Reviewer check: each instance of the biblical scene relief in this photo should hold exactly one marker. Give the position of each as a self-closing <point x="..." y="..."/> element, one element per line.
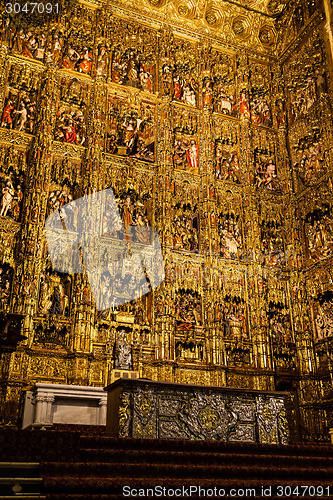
<point x="323" y="314"/>
<point x="180" y="73"/>
<point x="186" y="149"/>
<point x="127" y="219"/>
<point x="260" y="106"/>
<point x="131" y="129"/>
<point x="19" y="112"/>
<point x="6" y="278"/>
<point x="218" y="84"/>
<point x="25" y="36"/>
<point x="318" y="227"/>
<point x="226" y="227"/>
<point x="72" y="40"/>
<point x="185" y="218"/>
<point x="117" y="282"/>
<point x="129" y="69"/>
<point x="279" y="323"/>
<point x="230" y="244"/>
<point x="189" y="343"/>
<point x="134" y="56"/>
<point x="310" y="162"/>
<point x="70" y="125"/>
<point x="227" y="165"/>
<point x="54" y="294"/>
<point x="12" y="187"/>
<point x="265" y="174"/>
<point x="306" y="73"/>
<point x="135" y="210"/>
<point x="12" y="182"/>
<point x="272" y="239"/>
<point x="59" y="196"/>
<point x="188" y="309"/>
<point x="233" y="318"/>
<point x="51" y="334"/>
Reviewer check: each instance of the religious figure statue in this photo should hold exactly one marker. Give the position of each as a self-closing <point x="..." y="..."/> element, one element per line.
<point x="86" y="61"/>
<point x="324" y="320"/>
<point x="56" y="307"/>
<point x="244" y="105"/>
<point x="7" y="198"/>
<point x="45" y="301"/>
<point x="192" y="155"/>
<point x="102" y="61"/>
<point x="207" y="93"/>
<point x="23" y="117"/>
<point x="123" y="353"/>
<point x="7" y="119"/>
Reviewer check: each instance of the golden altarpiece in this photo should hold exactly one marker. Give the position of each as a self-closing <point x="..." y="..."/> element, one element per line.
<point x="211" y="122"/>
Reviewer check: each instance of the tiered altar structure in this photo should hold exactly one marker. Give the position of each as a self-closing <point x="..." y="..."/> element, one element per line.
<point x="211" y="122"/>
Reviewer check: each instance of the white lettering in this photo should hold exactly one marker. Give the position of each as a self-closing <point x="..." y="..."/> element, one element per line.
<point x="126" y="491"/>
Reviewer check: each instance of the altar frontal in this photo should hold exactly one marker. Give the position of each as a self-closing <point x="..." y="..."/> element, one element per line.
<point x="146" y="409"/>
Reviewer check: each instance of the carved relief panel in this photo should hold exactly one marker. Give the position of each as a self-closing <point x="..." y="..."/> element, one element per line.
<point x="227" y="226"/>
<point x="306" y="73"/>
<point x="20" y="107"/>
<point x="271" y="235"/>
<point x="54" y="297"/>
<point x="226" y="151"/>
<point x="134" y="56"/>
<point x="135" y="208"/>
<point x="189" y="341"/>
<point x="309" y="152"/>
<point x="25" y="35"/>
<point x="279" y="323"/>
<point x="64" y="188"/>
<point x="179" y="71"/>
<point x="218" y="81"/>
<point x="317" y="218"/>
<point x="323" y="315"/>
<point x="260" y="98"/>
<point x="186" y="144"/>
<point x="71" y="116"/>
<point x="12" y="182"/>
<point x="234" y="312"/>
<point x="6" y="279"/>
<point x="185" y="217"/>
<point x="131" y="127"/>
<point x="265" y="173"/>
<point x="71" y="40"/>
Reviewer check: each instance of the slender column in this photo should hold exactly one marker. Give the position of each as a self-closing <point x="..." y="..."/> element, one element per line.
<point x="101" y="419"/>
<point x="33" y="218"/>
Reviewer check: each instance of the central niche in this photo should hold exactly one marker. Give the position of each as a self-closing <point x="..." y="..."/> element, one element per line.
<point x="189" y="343"/>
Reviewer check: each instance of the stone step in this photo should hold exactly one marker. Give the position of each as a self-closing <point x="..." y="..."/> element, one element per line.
<point x="109" y="442"/>
<point x="119" y="470"/>
<point x="115" y="486"/>
<point x="199" y="458"/>
<point x="19" y="469"/>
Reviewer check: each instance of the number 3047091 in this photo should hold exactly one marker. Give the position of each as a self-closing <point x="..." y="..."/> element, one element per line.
<point x="32" y="8"/>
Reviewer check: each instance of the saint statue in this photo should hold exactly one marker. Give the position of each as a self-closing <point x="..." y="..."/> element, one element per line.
<point x="123" y="353"/>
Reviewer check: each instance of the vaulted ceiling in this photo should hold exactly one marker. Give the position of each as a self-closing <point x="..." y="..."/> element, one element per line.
<point x="184" y="7"/>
